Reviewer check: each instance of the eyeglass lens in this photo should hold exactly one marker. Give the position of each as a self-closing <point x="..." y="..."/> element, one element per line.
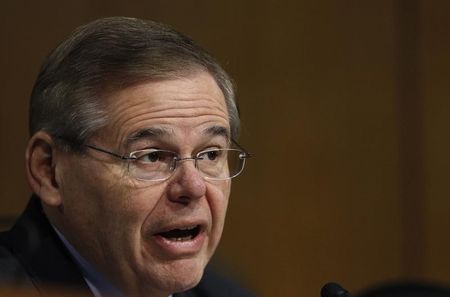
<point x="216" y="164"/>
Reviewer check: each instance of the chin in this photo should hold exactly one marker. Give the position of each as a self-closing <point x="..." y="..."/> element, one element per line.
<point x="185" y="284"/>
<point x="177" y="277"/>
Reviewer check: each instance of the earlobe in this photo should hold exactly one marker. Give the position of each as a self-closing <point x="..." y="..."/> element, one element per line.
<point x="40" y="168"/>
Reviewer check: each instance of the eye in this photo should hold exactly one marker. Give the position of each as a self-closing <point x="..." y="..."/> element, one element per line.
<point x="153" y="156"/>
<point x="210" y="155"/>
<point x="150" y="157"/>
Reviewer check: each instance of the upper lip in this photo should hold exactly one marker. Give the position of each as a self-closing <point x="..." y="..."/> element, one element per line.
<point x="182" y="225"/>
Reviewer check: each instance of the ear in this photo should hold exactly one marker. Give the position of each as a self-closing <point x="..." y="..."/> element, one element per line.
<point x="41" y="168"/>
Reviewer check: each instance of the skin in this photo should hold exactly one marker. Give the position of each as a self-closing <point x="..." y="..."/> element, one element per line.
<point x="111" y="217"/>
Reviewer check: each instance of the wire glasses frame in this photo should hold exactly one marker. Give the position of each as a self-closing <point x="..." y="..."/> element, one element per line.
<point x="159" y="165"/>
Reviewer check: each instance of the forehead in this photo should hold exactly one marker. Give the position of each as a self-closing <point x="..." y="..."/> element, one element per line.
<point x="183" y="105"/>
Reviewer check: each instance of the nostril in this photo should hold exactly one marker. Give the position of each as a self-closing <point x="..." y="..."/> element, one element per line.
<point x="182" y="199"/>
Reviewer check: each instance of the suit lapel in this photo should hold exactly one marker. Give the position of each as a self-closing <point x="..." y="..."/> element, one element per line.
<point x="38" y="248"/>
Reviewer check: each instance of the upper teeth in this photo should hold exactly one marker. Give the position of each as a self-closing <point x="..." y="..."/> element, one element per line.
<point x="187" y="228"/>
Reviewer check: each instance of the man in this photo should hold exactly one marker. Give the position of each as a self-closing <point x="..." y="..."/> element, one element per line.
<point x="131" y="152"/>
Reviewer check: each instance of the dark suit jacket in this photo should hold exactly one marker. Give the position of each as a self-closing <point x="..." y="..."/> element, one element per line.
<point x="33" y="256"/>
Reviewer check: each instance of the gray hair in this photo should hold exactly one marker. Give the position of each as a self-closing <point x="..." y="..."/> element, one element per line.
<point x="107" y="55"/>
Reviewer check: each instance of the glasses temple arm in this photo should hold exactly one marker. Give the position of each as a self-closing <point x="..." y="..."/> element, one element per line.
<point x="109" y="153"/>
<point x="247" y="154"/>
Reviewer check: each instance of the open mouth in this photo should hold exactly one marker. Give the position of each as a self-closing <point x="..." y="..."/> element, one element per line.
<point x="183" y="234"/>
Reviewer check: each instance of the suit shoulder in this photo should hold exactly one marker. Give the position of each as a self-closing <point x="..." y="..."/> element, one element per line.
<point x="11" y="272"/>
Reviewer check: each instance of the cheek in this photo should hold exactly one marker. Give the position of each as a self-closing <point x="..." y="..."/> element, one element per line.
<point x="218" y="196"/>
<point x="80" y="188"/>
<point x="117" y="221"/>
<point x="131" y="206"/>
<point x="99" y="197"/>
<point x="139" y="205"/>
<point x="225" y="195"/>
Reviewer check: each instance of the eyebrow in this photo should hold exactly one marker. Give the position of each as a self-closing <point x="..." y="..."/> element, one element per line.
<point x="148" y="133"/>
<point x="156" y="132"/>
<point x="218" y="131"/>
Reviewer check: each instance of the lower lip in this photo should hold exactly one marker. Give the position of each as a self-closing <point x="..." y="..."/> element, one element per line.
<point x="181" y="248"/>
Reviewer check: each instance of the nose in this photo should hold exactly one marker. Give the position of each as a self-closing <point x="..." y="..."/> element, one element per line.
<point x="187" y="183"/>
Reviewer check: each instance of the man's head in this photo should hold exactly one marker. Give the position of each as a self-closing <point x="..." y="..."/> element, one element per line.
<point x="108" y="55"/>
<point x="129" y="121"/>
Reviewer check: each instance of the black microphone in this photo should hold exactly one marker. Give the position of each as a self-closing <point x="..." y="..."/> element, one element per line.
<point x="334" y="290"/>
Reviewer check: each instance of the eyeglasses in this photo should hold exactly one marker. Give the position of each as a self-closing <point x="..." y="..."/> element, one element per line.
<point x="159" y="165"/>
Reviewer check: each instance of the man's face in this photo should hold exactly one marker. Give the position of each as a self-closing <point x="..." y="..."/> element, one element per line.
<point x="118" y="222"/>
